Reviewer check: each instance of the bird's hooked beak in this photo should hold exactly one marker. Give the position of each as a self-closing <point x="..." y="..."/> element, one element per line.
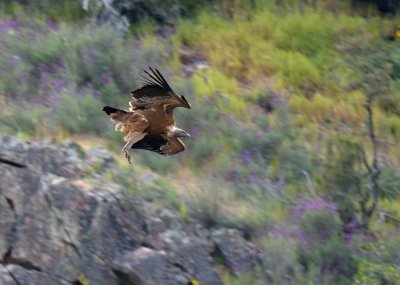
<point x="181" y="134"/>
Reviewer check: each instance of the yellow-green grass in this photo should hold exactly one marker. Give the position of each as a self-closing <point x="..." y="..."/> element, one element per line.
<point x="296" y="53"/>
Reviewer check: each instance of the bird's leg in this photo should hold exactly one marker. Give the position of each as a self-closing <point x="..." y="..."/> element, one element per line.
<point x="131" y="139"/>
<point x="126" y="151"/>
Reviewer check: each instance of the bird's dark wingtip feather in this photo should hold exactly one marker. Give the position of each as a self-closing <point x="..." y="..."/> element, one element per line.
<point x="155" y="78"/>
<point x="163" y="79"/>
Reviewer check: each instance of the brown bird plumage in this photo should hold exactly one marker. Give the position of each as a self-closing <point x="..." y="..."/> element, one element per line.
<point x="150" y="124"/>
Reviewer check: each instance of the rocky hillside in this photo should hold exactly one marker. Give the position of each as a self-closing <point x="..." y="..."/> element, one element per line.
<point x="61" y="224"/>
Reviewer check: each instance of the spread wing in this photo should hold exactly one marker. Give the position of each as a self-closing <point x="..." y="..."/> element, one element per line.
<point x="160" y="144"/>
<point x="156" y="93"/>
<point x="151" y="143"/>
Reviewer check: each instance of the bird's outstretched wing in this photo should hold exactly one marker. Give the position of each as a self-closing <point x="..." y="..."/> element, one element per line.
<point x="152" y="143"/>
<point x="156" y="93"/>
<point x="160" y="144"/>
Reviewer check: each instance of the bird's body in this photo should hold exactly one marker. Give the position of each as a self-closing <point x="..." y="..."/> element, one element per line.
<point x="159" y="122"/>
<point x="149" y="123"/>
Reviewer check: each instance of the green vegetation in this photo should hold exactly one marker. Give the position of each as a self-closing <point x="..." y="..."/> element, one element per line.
<point x="281" y="142"/>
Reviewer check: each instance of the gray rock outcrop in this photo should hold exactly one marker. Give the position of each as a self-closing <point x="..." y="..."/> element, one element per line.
<point x="238" y="254"/>
<point x="62" y="224"/>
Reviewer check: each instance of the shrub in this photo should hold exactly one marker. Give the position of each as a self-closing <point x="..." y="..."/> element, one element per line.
<point x="62" y="10"/>
<point x="284" y="250"/>
<point x="311" y="34"/>
<point x="244" y="278"/>
<point x="78" y="114"/>
<point x="320" y="225"/>
<point x="253" y="215"/>
<point x="205" y="204"/>
<point x="22" y="119"/>
<point x="342" y="175"/>
<point x="324" y="248"/>
<point x="376" y="274"/>
<point x="205" y="148"/>
<point x="319" y="109"/>
<point x="333" y="257"/>
<point x="67" y="73"/>
<point x="157" y="163"/>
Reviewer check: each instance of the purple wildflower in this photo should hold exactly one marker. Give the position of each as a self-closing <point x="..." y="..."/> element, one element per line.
<point x="52" y="25"/>
<point x="23" y="77"/>
<point x="246" y="157"/>
<point x="54" y="99"/>
<point x="52" y="103"/>
<point x="95" y="93"/>
<point x="276" y="99"/>
<point x="317" y="204"/>
<point x="59" y="85"/>
<point x="295" y="232"/>
<point x="106" y="78"/>
<point x="9" y="25"/>
<point x="350" y="230"/>
<point x="288" y="233"/>
<point x="254" y="149"/>
<point x="252" y="179"/>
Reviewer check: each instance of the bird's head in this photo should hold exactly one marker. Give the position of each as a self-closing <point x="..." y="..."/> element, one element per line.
<point x="179" y="133"/>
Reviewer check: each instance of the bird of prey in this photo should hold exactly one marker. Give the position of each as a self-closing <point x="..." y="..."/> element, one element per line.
<point x="149" y="123"/>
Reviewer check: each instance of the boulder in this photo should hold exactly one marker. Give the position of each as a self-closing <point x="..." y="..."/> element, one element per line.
<point x="58" y="227"/>
<point x="238" y="254"/>
<point x="17" y="186"/>
<point x="155" y="229"/>
<point x="194" y="258"/>
<point x="17" y="275"/>
<point x="5" y="277"/>
<point x="145" y="266"/>
<point x="99" y="160"/>
<point x="43" y="157"/>
<point x="62" y="225"/>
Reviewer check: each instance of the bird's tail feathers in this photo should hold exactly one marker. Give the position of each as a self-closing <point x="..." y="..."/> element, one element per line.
<point x="110" y="110"/>
<point x="115" y="114"/>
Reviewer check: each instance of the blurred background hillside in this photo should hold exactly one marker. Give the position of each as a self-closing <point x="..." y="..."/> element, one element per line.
<point x="295" y="122"/>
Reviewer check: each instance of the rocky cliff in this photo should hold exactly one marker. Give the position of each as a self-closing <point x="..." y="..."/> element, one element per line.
<point x="61" y="224"/>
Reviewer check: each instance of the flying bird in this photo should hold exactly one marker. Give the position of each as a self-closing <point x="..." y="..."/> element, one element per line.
<point x="149" y="123"/>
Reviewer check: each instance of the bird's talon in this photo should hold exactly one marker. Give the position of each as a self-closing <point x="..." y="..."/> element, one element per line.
<point x="128" y="157"/>
<point x="127" y="154"/>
